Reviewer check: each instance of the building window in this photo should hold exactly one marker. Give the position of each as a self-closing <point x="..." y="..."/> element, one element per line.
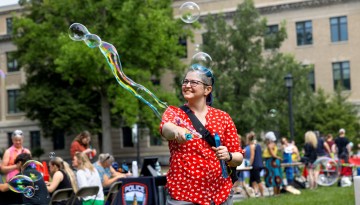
<point x="127" y="137"/>
<point x="339" y="31"/>
<point x="13" y="96"/>
<point x="341" y="75"/>
<point x="35" y="139"/>
<point x="304" y="33"/>
<point x="9" y="25"/>
<point x="9" y="137"/>
<point x="270" y="37"/>
<point x="155" y="141"/>
<point x="59" y="140"/>
<point x="12" y="63"/>
<point x="311" y="78"/>
<point x="183" y="43"/>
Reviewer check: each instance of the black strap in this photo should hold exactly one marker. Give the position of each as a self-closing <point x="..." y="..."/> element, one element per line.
<point x="206" y="135"/>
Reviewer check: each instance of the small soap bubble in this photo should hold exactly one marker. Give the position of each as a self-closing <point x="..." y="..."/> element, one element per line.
<point x="189" y="12"/>
<point x="197" y="47"/>
<point x="92" y="40"/>
<point x="52" y="155"/>
<point x="272" y="113"/>
<point x="29" y="192"/>
<point x="78" y="32"/>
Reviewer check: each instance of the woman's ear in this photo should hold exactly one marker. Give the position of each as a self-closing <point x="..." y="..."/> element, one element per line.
<point x="208" y="90"/>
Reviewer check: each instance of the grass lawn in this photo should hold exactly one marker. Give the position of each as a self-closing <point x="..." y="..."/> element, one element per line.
<point x="333" y="195"/>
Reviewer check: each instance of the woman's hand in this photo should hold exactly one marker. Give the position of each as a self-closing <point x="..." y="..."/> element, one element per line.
<point x="180" y="134"/>
<point x="87" y="151"/>
<point x="221" y="153"/>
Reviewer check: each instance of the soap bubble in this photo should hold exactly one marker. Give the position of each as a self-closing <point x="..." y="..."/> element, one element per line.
<point x="30" y="168"/>
<point x="92" y="40"/>
<point x="78" y="32"/>
<point x="52" y="155"/>
<point x="328" y="171"/>
<point x="272" y="113"/>
<point x="189" y="12"/>
<point x="29" y="192"/>
<point x="19" y="183"/>
<point x="202" y="59"/>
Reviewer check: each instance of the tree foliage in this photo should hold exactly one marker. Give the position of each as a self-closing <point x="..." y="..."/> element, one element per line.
<point x="68" y="83"/>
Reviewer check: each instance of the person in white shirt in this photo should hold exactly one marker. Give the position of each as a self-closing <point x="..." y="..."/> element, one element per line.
<point x="87" y="175"/>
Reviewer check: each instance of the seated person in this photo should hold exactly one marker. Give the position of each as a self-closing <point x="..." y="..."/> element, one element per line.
<point x="4" y="187"/>
<point x="107" y="173"/>
<point x="41" y="195"/>
<point x="62" y="177"/>
<point x="87" y="175"/>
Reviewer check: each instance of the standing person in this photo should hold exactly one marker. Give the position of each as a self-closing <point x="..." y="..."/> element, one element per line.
<point x="290" y="154"/>
<point x="330" y="148"/>
<point x="321" y="145"/>
<point x="256" y="162"/>
<point x="62" y="176"/>
<point x="310" y="155"/>
<point x="273" y="176"/>
<point x="81" y="143"/>
<point x="41" y="195"/>
<point x="87" y="175"/>
<point x="9" y="166"/>
<point x="341" y="143"/>
<point x="194" y="174"/>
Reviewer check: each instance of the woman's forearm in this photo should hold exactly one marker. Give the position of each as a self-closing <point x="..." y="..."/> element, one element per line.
<point x="237" y="159"/>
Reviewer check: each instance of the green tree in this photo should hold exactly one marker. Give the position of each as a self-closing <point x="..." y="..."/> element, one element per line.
<point x="334" y="112"/>
<point x="70" y="86"/>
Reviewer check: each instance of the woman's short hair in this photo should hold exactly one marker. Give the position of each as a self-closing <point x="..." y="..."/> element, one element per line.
<point x="17" y="134"/>
<point x="103" y="157"/>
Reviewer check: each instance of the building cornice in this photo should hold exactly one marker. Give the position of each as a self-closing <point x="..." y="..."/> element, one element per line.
<point x="300" y="5"/>
<point x="10" y="10"/>
<point x="280" y="7"/>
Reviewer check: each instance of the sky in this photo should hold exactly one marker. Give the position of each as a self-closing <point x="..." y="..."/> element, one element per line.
<point x="8" y="2"/>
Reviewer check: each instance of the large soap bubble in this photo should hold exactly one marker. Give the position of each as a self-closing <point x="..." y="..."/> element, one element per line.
<point x="32" y="172"/>
<point x="328" y="171"/>
<point x="189" y="12"/>
<point x="78" y="32"/>
<point x="201" y="59"/>
<point x="19" y="183"/>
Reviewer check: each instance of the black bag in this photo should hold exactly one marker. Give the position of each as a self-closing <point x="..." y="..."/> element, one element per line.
<point x="208" y="138"/>
<point x="299" y="183"/>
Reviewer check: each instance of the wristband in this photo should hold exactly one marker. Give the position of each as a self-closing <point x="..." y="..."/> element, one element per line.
<point x="230" y="155"/>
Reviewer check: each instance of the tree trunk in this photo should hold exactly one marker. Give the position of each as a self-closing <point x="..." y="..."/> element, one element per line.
<point x="106" y="125"/>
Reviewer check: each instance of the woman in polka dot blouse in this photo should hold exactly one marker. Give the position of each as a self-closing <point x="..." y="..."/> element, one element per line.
<point x="195" y="175"/>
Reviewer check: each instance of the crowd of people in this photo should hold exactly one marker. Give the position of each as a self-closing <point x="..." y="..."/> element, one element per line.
<point x="266" y="156"/>
<point x="82" y="173"/>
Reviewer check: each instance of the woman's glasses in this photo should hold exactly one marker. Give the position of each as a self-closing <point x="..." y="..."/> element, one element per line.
<point x="193" y="83"/>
